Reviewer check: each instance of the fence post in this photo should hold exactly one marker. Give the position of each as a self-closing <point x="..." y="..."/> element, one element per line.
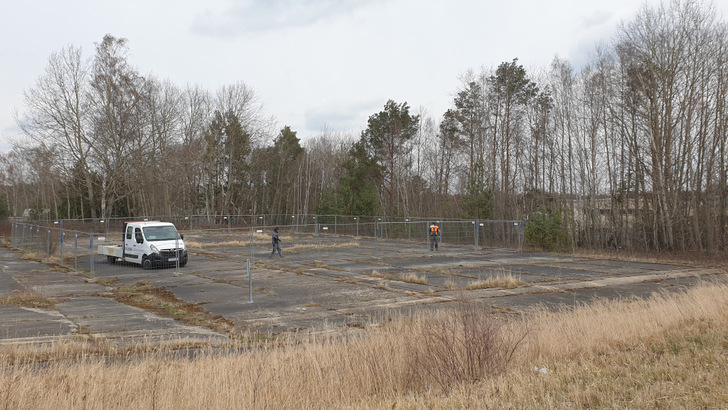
<point x="376" y="236"/>
<point x="75" y="254"/>
<point x="91" y="255"/>
<point x="48" y="243"/>
<point x="250" y="283"/>
<point x="427" y="234"/>
<point x="520" y="236"/>
<point x="177" y="255"/>
<point x="63" y="237"/>
<point x="475" y="233"/>
<point x="318" y="239"/>
<point x="252" y="229"/>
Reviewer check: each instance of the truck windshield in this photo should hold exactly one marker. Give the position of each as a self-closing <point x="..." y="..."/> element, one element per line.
<point x="160" y="233"/>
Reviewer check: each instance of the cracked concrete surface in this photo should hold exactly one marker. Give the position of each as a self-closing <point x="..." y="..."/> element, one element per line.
<point x="319" y="291"/>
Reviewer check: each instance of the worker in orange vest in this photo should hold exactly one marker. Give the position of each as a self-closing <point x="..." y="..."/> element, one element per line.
<point x="434" y="236"/>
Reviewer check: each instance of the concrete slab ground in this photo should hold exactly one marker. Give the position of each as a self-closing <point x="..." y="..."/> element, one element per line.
<point x="317" y="290"/>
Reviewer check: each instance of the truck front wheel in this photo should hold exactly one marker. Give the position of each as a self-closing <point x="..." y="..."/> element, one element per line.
<point x="146" y="262"/>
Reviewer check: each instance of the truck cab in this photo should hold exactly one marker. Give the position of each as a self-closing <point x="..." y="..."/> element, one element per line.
<point x="148" y="243"/>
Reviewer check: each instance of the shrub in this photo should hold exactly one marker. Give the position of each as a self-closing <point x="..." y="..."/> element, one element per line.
<point x="465" y="345"/>
<point x="546" y="230"/>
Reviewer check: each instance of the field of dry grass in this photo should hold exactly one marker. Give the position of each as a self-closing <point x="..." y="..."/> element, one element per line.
<point x="670" y="351"/>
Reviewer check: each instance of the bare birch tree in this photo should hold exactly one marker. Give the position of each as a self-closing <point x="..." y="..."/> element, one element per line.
<point x="57" y="114"/>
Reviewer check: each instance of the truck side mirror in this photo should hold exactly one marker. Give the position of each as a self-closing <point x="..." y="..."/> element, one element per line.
<point x="182" y="236"/>
<point x="139" y="239"/>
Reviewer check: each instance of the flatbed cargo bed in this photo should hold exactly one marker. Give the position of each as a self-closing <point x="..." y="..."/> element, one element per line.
<point x="111" y="250"/>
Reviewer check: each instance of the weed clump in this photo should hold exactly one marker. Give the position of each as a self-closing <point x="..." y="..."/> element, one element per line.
<point x="464" y="345"/>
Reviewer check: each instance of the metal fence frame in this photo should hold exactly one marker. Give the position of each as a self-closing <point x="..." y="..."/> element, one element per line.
<point x="58" y="242"/>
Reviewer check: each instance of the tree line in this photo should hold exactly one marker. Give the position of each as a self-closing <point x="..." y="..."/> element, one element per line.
<point x="627" y="152"/>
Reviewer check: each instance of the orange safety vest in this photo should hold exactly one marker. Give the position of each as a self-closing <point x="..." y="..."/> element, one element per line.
<point x="434" y="230"/>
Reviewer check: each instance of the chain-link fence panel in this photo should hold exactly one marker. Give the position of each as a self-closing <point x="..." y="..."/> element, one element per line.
<point x="236" y="239"/>
<point x="478" y="234"/>
<point x="71" y="249"/>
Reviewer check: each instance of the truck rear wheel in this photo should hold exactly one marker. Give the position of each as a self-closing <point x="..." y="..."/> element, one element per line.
<point x="146" y="262"/>
<point x="110" y="259"/>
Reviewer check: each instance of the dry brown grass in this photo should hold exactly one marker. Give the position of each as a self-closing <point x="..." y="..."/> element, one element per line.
<point x="192" y="244"/>
<point x="147" y="296"/>
<point x="451" y="285"/>
<point x="666" y="352"/>
<point x="688" y="258"/>
<point x="261" y="239"/>
<point x="28" y="299"/>
<point x="414" y="278"/>
<point x="234" y="241"/>
<point x="410" y="277"/>
<point x="501" y="280"/>
<point x="350" y="244"/>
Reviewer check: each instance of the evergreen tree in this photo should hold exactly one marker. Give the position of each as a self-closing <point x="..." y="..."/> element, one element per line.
<point x="283" y="169"/>
<point x="357" y="193"/>
<point x="386" y="139"/>
<point x="4" y="208"/>
<point x="477" y="202"/>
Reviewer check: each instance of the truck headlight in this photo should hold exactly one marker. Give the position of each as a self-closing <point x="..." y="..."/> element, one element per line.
<point x="154" y="249"/>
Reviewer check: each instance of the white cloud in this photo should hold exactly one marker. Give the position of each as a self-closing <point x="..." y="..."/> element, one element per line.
<point x="247" y="17"/>
<point x="312" y="63"/>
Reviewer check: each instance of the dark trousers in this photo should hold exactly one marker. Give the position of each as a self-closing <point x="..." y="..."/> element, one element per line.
<point x="434" y="239"/>
<point x="276" y="247"/>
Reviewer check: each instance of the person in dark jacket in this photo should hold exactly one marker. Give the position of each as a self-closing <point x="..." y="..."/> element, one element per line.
<point x="276" y="240"/>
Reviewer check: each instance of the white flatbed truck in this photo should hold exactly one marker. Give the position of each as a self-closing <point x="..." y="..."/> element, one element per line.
<point x="148" y="243"/>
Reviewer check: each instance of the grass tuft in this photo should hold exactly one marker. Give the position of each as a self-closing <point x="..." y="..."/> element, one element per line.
<point x="503" y="281"/>
<point x="29" y="299"/>
<point x="410" y="277"/>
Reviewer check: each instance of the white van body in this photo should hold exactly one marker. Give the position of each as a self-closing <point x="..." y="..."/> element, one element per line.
<point x="148" y="243"/>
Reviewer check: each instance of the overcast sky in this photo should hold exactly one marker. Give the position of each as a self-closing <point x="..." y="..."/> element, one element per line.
<point x="312" y="63"/>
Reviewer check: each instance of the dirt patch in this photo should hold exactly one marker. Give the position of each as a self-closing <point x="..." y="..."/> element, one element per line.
<point x="146" y="296"/>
